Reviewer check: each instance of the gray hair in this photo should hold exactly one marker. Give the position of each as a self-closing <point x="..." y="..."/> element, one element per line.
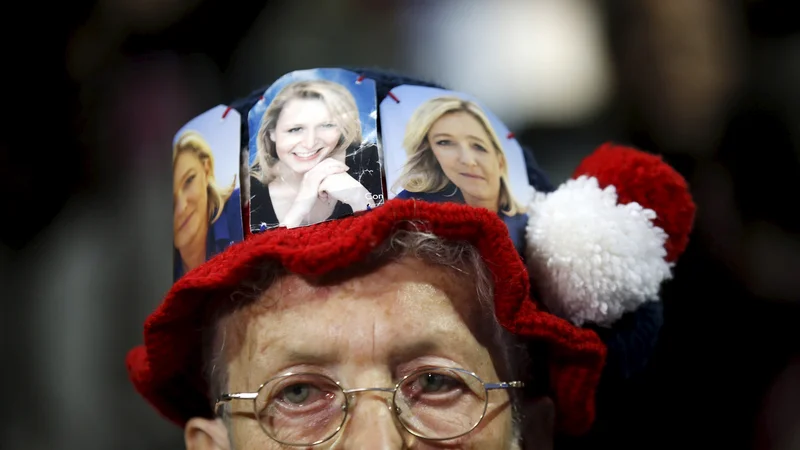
<point x="462" y="257"/>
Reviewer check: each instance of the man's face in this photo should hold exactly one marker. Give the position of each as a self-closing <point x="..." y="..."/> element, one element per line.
<point x="365" y="332"/>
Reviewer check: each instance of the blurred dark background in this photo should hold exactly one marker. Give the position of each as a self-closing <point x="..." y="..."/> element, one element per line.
<point x="95" y="91"/>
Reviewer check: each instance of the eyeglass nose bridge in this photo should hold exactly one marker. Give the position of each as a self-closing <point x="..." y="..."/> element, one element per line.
<point x="350" y="394"/>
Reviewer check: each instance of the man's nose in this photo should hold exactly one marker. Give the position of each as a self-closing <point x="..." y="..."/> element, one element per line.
<point x="372" y="425"/>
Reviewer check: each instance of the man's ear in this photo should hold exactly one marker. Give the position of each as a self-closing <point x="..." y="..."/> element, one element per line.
<point x="538" y="423"/>
<point x="206" y="434"/>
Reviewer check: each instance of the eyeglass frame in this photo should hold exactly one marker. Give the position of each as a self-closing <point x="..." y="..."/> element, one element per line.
<point x="229" y="397"/>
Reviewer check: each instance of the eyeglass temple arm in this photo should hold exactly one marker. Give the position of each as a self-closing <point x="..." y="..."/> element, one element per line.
<point x="225" y="398"/>
<point x="504" y="385"/>
<point x="238" y="396"/>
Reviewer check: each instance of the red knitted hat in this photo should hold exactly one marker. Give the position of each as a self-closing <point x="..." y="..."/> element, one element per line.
<point x="167" y="369"/>
<point x="596" y="248"/>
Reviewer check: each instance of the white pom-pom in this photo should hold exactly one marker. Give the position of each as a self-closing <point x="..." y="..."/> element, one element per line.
<point x="591" y="258"/>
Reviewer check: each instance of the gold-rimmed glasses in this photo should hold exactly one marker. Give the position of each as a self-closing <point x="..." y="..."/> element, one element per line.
<point x="307" y="409"/>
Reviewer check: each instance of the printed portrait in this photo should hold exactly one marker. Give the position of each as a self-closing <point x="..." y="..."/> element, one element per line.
<point x="207" y="212"/>
<point x="314" y="153"/>
<point x="444" y="146"/>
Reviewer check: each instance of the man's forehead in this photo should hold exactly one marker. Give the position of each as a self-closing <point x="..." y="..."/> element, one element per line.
<point x="424" y="301"/>
<point x="404" y="285"/>
<point x="406" y="275"/>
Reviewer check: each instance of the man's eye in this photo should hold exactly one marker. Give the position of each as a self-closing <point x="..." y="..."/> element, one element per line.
<point x="296" y="393"/>
<point x="435" y="382"/>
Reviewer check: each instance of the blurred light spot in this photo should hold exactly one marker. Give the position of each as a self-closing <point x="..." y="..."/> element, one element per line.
<point x="681" y="62"/>
<point x="529" y="61"/>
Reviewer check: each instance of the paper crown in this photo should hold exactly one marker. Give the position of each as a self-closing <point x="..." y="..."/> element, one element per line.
<point x="597" y="247"/>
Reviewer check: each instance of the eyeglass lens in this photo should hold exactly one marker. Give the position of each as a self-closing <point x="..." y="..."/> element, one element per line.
<point x="307" y="409"/>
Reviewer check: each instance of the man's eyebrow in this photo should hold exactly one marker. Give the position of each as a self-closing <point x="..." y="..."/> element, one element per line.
<point x="415" y="350"/>
<point x="295" y="356"/>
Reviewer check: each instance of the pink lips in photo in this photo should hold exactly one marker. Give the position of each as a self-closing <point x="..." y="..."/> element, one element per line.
<point x="469" y="175"/>
<point x="186" y="221"/>
<point x="306" y="156"/>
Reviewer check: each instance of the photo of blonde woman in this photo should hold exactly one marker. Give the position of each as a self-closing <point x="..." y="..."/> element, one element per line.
<point x="206" y="210"/>
<point x="453" y="154"/>
<point x="312" y="162"/>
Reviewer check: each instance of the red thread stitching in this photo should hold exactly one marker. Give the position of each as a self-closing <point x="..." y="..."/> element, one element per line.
<point x="394" y="97"/>
<point x="359" y="79"/>
<point x="510" y="135"/>
<point x="227" y="110"/>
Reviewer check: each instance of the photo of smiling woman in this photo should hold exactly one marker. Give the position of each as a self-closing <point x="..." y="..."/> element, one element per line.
<point x="454" y="155"/>
<point x="311" y="164"/>
<point x="206" y="216"/>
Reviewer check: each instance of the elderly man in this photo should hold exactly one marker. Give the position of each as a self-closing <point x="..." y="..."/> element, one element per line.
<point x="399" y="328"/>
<point x="415" y="325"/>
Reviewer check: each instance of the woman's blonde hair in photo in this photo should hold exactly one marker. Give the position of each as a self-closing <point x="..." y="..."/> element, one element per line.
<point x="339" y="101"/>
<point x="195" y="143"/>
<point x="422" y="172"/>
